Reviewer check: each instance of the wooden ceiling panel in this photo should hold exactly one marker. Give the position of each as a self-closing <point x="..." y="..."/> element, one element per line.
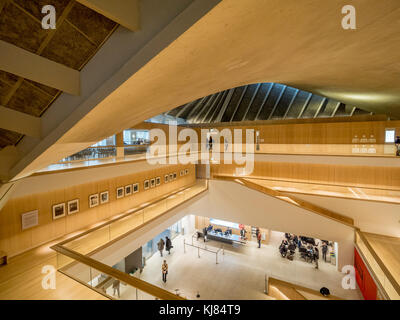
<point x="34" y="7"/>
<point x="29" y="99"/>
<point x="8" y="138"/>
<point x="20" y="29"/>
<point x="95" y="26"/>
<point x="69" y="47"/>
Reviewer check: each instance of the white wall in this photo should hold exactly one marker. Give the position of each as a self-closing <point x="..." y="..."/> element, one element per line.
<point x="233" y="202"/>
<point x="369" y="216"/>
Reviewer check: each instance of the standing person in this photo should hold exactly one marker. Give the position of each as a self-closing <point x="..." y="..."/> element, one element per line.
<point x="324" y="251"/>
<point x="316" y="256"/>
<point x="168" y="245"/>
<point x="257" y="232"/>
<point x="243" y="233"/>
<point x="205" y="234"/>
<point x="160" y="246"/>
<point x="259" y="239"/>
<point x="115" y="286"/>
<point x="210" y="143"/>
<point x="164" y="270"/>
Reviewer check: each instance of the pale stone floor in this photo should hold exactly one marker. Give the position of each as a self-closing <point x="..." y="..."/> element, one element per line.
<point x="239" y="275"/>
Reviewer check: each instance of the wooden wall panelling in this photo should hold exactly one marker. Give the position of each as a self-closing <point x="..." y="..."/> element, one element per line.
<point x="358" y="176"/>
<point x="318" y="133"/>
<point x="13" y="240"/>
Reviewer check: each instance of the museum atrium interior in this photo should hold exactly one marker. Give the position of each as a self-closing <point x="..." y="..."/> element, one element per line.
<point x="251" y="145"/>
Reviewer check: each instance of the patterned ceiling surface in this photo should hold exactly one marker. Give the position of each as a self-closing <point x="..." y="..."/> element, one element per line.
<point x="79" y="34"/>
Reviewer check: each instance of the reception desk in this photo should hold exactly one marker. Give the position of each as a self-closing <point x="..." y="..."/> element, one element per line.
<point x="230" y="239"/>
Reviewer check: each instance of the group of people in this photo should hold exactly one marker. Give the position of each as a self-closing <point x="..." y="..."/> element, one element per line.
<point x="167" y="244"/>
<point x="307" y="247"/>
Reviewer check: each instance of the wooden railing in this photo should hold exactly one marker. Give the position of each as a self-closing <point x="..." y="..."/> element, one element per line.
<point x="75" y="258"/>
<point x="282" y="290"/>
<point x="374" y="263"/>
<point x="117" y="274"/>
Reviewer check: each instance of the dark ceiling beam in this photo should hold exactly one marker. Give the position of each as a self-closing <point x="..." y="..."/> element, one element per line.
<point x="219" y="105"/>
<point x="265" y="100"/>
<point x="187" y="105"/>
<point x="196" y="107"/>
<point x="124" y="12"/>
<point x="319" y="107"/>
<point x="305" y="105"/>
<point x="252" y="100"/>
<point x="206" y="105"/>
<point x="291" y="103"/>
<point x="277" y="102"/>
<point x="239" y="102"/>
<point x="225" y="105"/>
<point x="335" y="110"/>
<point x="212" y="106"/>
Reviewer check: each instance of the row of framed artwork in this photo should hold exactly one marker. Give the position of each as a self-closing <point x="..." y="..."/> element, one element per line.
<point x="71" y="207"/>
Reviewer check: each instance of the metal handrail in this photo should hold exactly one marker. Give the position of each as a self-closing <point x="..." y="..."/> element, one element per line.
<point x="205" y="249"/>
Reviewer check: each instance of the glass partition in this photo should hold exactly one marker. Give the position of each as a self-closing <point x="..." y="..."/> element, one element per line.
<point x="105" y="284"/>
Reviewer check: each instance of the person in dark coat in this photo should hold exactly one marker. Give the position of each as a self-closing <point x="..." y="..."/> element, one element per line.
<point x="205" y="234"/>
<point x="210" y="143"/>
<point x="324" y="251"/>
<point x="168" y="245"/>
<point x="160" y="246"/>
<point x="316" y="256"/>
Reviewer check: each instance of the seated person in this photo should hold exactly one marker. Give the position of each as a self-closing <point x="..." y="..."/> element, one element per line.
<point x="292" y="247"/>
<point x="210" y="227"/>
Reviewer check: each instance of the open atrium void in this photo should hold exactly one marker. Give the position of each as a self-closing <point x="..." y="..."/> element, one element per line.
<point x="200" y="150"/>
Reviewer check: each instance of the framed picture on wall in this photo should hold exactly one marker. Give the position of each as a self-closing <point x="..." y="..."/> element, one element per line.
<point x="136" y="187"/>
<point x="128" y="190"/>
<point x="120" y="192"/>
<point x="171" y="177"/>
<point x="175" y="175"/>
<point x="152" y="183"/>
<point x="104" y="197"/>
<point x="58" y="211"/>
<point x="93" y="200"/>
<point x="166" y="178"/>
<point x="146" y="184"/>
<point x="73" y="206"/>
<point x="186" y="171"/>
<point x="158" y="181"/>
<point x="182" y="173"/>
<point x="29" y="219"/>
